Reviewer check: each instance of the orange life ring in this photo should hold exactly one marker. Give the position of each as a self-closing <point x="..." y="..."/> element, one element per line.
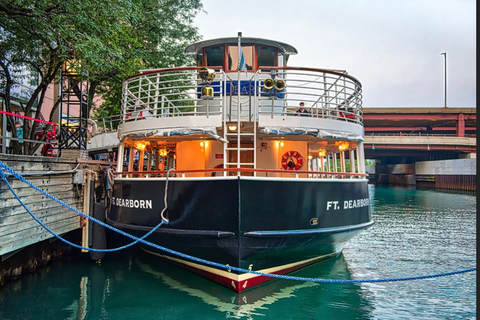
<point x="292" y="160"/>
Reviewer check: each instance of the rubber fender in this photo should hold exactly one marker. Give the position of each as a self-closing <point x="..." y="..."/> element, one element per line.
<point x="98" y="237"/>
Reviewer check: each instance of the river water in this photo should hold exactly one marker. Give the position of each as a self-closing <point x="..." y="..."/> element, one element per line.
<point x="417" y="232"/>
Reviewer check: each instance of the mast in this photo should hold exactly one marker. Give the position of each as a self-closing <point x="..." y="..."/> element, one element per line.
<point x="241" y="61"/>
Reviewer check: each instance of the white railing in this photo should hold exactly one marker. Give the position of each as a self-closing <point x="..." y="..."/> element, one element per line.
<point x="177" y="92"/>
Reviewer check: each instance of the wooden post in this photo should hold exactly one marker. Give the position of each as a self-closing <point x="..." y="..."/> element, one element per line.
<point x="86" y="209"/>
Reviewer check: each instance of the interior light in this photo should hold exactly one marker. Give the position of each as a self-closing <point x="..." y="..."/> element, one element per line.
<point x="342" y="146"/>
<point x="163" y="152"/>
<point x="282" y="144"/>
<point x="232" y="128"/>
<point x="140" y="146"/>
<point x="202" y="144"/>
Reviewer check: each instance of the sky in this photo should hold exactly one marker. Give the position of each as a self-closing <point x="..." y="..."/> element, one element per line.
<point x="393" y="47"/>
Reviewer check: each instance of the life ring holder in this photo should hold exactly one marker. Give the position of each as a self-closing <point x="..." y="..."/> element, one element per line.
<point x="292" y="160"/>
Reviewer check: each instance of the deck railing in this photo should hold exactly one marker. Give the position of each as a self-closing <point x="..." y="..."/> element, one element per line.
<point x="272" y="173"/>
<point x="177" y="92"/>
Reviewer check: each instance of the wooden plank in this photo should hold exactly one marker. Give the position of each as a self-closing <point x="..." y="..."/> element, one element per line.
<point x="35" y="199"/>
<point x="17" y="243"/>
<point x="38" y="206"/>
<point x="36" y="230"/>
<point x="29" y="226"/>
<point x="19" y="166"/>
<point x="10" y="223"/>
<point x="24" y="192"/>
<point x="38" y="181"/>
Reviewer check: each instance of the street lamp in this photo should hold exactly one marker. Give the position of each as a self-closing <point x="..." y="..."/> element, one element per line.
<point x="445" y="55"/>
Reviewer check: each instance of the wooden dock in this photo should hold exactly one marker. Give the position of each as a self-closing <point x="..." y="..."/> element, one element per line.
<point x="62" y="178"/>
<point x="55" y="176"/>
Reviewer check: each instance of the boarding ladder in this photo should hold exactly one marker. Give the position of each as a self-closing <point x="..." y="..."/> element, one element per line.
<point x="244" y="138"/>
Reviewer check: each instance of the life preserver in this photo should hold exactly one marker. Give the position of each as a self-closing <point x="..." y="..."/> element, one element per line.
<point x="292" y="160"/>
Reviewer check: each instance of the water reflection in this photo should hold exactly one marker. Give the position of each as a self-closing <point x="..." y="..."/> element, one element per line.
<point x="270" y="298"/>
<point x="139" y="287"/>
<point x="417" y="232"/>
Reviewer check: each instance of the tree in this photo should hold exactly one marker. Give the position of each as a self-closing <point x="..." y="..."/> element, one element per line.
<point x="113" y="40"/>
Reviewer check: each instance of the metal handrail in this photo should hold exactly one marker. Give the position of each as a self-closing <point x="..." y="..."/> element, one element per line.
<point x="182" y="173"/>
<point x="176" y="92"/>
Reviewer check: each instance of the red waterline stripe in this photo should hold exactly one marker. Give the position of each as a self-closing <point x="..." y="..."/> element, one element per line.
<point x="29" y="118"/>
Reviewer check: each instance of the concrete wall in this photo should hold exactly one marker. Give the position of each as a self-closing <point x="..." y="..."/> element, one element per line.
<point x="401" y="168"/>
<point x="447" y="167"/>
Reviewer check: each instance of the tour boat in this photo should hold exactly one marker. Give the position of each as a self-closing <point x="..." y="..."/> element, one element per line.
<point x="221" y="154"/>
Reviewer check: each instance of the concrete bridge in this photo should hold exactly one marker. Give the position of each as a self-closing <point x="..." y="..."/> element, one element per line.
<point x="407" y="135"/>
<point x="429" y="147"/>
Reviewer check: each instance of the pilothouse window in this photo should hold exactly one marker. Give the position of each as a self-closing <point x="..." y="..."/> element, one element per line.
<point x="233" y="57"/>
<point x="214" y="56"/>
<point x="266" y="56"/>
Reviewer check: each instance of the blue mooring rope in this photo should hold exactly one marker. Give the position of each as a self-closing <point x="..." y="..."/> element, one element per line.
<point x="142" y="240"/>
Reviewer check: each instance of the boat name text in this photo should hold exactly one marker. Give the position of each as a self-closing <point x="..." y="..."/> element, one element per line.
<point x="348" y="204"/>
<point x="132" y="203"/>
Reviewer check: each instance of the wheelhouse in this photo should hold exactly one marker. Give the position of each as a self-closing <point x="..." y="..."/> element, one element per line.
<point x="225" y="53"/>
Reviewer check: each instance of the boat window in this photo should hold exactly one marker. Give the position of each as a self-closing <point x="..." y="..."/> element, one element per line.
<point x="214" y="56"/>
<point x="266" y="56"/>
<point x="233" y="57"/>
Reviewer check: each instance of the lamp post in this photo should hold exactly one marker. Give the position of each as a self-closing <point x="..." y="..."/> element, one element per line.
<point x="445" y="55"/>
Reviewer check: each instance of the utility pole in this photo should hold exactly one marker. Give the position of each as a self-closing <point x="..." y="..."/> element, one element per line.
<point x="445" y="55"/>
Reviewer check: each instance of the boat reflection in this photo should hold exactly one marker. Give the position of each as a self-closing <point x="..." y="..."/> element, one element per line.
<point x="332" y="299"/>
<point x="139" y="287"/>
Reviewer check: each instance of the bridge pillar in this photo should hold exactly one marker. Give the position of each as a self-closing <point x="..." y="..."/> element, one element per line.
<point x="461" y="125"/>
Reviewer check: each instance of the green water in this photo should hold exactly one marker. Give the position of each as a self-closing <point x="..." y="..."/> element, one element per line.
<point x="417" y="232"/>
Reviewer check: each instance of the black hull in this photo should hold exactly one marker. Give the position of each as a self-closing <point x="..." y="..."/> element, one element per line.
<point x="244" y="222"/>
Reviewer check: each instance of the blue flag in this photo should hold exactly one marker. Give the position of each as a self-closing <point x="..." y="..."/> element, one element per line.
<point x="242" y="66"/>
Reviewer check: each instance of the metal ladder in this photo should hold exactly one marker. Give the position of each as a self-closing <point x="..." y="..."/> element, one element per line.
<point x="240" y="137"/>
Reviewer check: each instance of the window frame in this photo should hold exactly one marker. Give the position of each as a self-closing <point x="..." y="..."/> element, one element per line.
<point x="226" y="47"/>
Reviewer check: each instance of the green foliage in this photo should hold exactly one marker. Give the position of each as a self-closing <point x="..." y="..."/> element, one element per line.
<point x="113" y="39"/>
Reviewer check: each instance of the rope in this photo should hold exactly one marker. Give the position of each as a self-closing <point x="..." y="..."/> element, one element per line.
<point x="4" y="177"/>
<point x="28" y="118"/>
<point x="211" y="263"/>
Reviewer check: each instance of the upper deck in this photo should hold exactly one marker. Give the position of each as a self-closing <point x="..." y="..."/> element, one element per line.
<point x="173" y="98"/>
<point x="248" y="104"/>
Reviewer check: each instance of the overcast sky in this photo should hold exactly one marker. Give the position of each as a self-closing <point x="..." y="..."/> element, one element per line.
<point x="392" y="47"/>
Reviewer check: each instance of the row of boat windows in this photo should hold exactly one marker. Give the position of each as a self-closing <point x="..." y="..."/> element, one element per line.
<point x="227" y="57"/>
<point x="160" y="160"/>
